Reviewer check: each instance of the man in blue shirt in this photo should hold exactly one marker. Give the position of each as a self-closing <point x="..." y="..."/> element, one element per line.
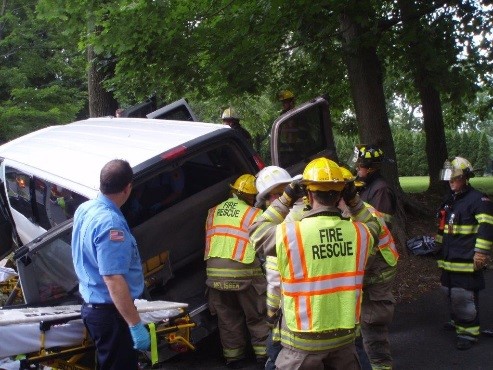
<point x="108" y="266"/>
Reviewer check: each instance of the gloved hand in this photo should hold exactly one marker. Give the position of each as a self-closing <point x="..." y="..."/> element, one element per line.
<point x="480" y="260"/>
<point x="260" y="202"/>
<point x="272" y="318"/>
<point x="350" y="194"/>
<point x="292" y="192"/>
<point x="140" y="336"/>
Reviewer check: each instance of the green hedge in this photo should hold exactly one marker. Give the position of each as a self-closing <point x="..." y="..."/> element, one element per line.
<point x="411" y="155"/>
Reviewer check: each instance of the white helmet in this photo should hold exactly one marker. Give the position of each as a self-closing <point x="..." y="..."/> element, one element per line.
<point x="459" y="166"/>
<point x="270" y="177"/>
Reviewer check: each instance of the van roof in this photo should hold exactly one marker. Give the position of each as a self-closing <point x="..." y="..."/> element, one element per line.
<point x="77" y="151"/>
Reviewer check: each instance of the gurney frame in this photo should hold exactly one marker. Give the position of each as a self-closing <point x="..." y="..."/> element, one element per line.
<point x="175" y="332"/>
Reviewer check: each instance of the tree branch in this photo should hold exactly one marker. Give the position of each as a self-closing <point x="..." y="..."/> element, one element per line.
<point x="385" y="24"/>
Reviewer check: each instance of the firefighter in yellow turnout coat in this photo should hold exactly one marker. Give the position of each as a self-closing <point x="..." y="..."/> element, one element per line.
<point x="377" y="309"/>
<point x="235" y="279"/>
<point x="321" y="261"/>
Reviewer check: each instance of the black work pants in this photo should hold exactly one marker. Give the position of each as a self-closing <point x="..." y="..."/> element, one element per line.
<point x="111" y="335"/>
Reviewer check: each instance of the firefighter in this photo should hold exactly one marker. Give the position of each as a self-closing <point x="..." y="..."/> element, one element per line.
<point x="312" y="256"/>
<point x="466" y="236"/>
<point x="375" y="190"/>
<point x="232" y="119"/>
<point x="236" y="283"/>
<point x="377" y="309"/>
<point x="270" y="183"/>
<point x="286" y="97"/>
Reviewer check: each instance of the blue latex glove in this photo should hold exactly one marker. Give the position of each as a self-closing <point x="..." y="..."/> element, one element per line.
<point x="140" y="336"/>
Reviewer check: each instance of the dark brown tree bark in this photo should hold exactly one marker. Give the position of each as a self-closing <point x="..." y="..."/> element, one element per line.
<point x="436" y="147"/>
<point x="366" y="81"/>
<point x="101" y="102"/>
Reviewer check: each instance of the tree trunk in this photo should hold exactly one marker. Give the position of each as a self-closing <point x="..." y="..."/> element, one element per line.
<point x="101" y="102"/>
<point x="366" y="81"/>
<point x="436" y="147"/>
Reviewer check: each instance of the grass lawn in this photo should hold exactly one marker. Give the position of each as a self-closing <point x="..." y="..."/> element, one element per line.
<point x="418" y="184"/>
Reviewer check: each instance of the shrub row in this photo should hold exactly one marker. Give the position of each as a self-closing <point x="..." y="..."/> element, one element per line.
<point x="411" y="155"/>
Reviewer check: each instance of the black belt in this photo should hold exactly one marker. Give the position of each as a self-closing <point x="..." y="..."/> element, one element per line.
<point x="99" y="306"/>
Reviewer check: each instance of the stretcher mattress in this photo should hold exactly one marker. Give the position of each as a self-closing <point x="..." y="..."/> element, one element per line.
<point x="20" y="333"/>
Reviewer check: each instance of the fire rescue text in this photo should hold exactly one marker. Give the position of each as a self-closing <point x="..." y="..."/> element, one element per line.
<point x="332" y="244"/>
<point x="229" y="210"/>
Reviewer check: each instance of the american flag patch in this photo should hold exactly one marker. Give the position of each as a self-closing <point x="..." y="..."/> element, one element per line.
<point x="117" y="235"/>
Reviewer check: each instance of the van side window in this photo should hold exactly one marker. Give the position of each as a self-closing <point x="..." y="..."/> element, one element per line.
<point x="60" y="205"/>
<point x="40" y="201"/>
<point x="172" y="186"/>
<point x="19" y="192"/>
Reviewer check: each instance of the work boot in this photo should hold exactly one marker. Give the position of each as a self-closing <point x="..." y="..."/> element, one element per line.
<point x="487" y="332"/>
<point x="449" y="325"/>
<point x="237" y="364"/>
<point x="464" y="343"/>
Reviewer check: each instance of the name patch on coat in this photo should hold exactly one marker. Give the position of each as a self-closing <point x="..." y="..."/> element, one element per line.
<point x="226" y="285"/>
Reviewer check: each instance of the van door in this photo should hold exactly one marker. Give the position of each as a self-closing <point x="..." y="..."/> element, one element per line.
<point x="302" y="134"/>
<point x="178" y="110"/>
<point x="8" y="233"/>
<point x="45" y="267"/>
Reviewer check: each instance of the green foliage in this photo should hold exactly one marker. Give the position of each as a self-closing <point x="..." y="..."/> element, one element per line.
<point x="42" y="77"/>
<point x="419" y="184"/>
<point x="411" y="154"/>
<point x="455" y="54"/>
<point x="345" y="146"/>
<point x="257" y="114"/>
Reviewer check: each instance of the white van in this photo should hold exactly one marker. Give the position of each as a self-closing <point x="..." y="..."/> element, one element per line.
<point x="181" y="169"/>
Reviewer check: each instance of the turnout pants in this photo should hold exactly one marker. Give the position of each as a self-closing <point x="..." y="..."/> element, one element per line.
<point x="463" y="305"/>
<point x="237" y="312"/>
<point x="344" y="358"/>
<point x="377" y="311"/>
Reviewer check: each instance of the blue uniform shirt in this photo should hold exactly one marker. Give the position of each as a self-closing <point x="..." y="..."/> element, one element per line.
<point x="103" y="245"/>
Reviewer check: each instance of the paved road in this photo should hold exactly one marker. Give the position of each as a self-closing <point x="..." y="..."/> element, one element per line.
<point x="418" y="340"/>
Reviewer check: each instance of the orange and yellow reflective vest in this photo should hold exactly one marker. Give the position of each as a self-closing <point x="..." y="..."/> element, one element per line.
<point x="227" y="231"/>
<point x="386" y="243"/>
<point x="322" y="263"/>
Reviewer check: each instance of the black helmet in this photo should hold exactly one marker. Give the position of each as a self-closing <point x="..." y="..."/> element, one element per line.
<point x="369" y="156"/>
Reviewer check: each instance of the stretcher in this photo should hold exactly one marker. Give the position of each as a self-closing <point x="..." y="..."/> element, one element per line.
<point x="56" y="336"/>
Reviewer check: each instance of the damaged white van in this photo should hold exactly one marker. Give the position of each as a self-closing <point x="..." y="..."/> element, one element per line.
<point x="181" y="169"/>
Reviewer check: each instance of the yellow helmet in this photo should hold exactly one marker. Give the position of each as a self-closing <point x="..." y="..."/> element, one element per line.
<point x="322" y="174"/>
<point x="285" y="95"/>
<point x="245" y="184"/>
<point x="346" y="174"/>
<point x="458" y="166"/>
<point x="230" y="113"/>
